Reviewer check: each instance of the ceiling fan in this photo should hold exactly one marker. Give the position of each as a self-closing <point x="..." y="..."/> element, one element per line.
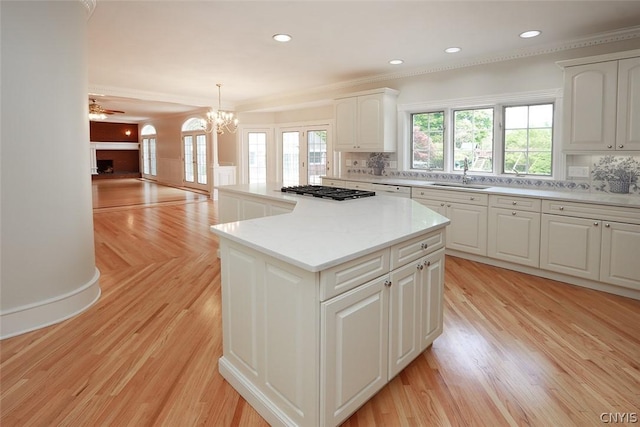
<point x="96" y="112"/>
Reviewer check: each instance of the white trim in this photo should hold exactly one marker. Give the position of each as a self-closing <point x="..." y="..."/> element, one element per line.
<point x="38" y="315"/>
<point x="599" y="58"/>
<point x="484" y="100"/>
<point x="116" y="145"/>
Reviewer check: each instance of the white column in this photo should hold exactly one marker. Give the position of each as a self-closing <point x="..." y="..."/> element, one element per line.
<point x="47" y="270"/>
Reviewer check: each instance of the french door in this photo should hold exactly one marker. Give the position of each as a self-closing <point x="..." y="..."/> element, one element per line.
<point x="195" y="161"/>
<point x="304" y="155"/>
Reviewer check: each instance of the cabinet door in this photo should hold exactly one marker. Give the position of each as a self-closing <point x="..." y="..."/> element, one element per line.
<point x="514" y="236"/>
<point x="370" y="123"/>
<point x="434" y="205"/>
<point x="620" y="244"/>
<point x="628" y="131"/>
<point x="404" y="316"/>
<point x="431" y="298"/>
<point x="354" y="342"/>
<point x="589" y="118"/>
<point x="570" y="245"/>
<point x="468" y="229"/>
<point x="346" y="113"/>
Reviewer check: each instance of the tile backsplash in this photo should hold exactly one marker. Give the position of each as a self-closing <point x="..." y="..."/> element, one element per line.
<point x="579" y="174"/>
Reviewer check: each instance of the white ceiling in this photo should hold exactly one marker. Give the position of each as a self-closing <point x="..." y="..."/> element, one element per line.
<point x="150" y="58"/>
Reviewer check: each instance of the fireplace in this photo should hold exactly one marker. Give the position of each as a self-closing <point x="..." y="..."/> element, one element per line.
<point x="105" y="166"/>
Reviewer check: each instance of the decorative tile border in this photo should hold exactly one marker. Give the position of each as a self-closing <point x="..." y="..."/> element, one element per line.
<point x="503" y="181"/>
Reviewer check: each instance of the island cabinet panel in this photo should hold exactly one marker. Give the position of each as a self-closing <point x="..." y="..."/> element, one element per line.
<point x="431" y="297"/>
<point x="271" y="334"/>
<point x="620" y="263"/>
<point x="355" y="331"/>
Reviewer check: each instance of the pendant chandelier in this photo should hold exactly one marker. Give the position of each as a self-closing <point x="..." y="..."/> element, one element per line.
<point x="220" y="120"/>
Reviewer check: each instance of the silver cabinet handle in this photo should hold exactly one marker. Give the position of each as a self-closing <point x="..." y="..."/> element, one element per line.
<point x="387" y="283"/>
<point x="472" y="198"/>
<point x="561" y="208"/>
<point x="441" y="204"/>
<point x="607" y="225"/>
<point x="424" y="246"/>
<point x="513" y="213"/>
<point x="620" y="146"/>
<point x="426" y="263"/>
<point x="419" y="267"/>
<point x="448" y="206"/>
<point x="609" y="146"/>
<point x="514" y="203"/>
<point x="596" y="223"/>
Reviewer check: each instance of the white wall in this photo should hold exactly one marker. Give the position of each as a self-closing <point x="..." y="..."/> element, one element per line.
<point x="47" y="268"/>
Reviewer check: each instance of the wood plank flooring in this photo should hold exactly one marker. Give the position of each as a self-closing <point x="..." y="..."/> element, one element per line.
<point x="516" y="349"/>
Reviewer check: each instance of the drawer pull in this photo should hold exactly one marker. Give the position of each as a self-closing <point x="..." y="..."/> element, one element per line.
<point x="419" y="266"/>
<point x="514" y="203"/>
<point x="607" y="225"/>
<point x="472" y="198"/>
<point x="596" y="223"/>
<point x="609" y="146"/>
<point x="424" y="245"/>
<point x="561" y="208"/>
<point x="441" y="204"/>
<point x="513" y="213"/>
<point x="620" y="146"/>
<point x="426" y="263"/>
<point x="387" y="283"/>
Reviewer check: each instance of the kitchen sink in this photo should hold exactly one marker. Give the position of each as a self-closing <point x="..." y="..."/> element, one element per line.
<point x="459" y="185"/>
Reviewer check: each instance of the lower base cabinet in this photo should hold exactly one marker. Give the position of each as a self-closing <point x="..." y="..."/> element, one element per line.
<point x="301" y="360"/>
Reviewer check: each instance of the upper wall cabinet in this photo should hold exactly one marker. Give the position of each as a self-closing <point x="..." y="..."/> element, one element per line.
<point x="366" y="121"/>
<point x="602" y="103"/>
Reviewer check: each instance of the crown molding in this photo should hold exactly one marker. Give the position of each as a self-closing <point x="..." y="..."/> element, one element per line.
<point x="148" y="95"/>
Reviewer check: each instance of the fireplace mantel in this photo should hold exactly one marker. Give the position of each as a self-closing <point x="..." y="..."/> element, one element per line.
<point x="95" y="146"/>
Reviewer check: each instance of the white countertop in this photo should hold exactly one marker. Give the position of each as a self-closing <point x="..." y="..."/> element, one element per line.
<point x="575" y="196"/>
<point x="322" y="233"/>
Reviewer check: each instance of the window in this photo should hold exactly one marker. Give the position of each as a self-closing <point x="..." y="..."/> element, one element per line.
<point x="194" y="152"/>
<point x="428" y="140"/>
<point x="473" y="139"/>
<point x="148" y="133"/>
<point x="528" y="139"/>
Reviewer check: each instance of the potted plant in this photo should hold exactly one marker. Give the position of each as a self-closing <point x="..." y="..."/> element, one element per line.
<point x="619" y="172"/>
<point x="377" y="162"/>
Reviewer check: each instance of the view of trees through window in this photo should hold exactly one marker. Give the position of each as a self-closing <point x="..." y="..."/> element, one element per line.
<point x="428" y="141"/>
<point x="528" y="136"/>
<point x="473" y="139"/>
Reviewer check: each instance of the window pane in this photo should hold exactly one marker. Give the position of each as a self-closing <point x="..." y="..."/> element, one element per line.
<point x="145" y="156"/>
<point x="528" y="139"/>
<point x="257" y="157"/>
<point x="317" y="157"/>
<point x="428" y="140"/>
<point x="152" y="155"/>
<point x="188" y="159"/>
<point x="201" y="151"/>
<point x="290" y="158"/>
<point x="193" y="125"/>
<point x="473" y="139"/>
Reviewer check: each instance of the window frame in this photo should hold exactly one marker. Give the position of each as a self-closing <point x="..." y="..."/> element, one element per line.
<point x="553" y="134"/>
<point x="444" y="139"/>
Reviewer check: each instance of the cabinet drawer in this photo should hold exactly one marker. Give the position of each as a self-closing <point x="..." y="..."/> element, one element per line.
<point x="359" y="185"/>
<point x="351" y="274"/>
<point x="468" y="197"/>
<point x="591" y="211"/>
<point x="515" y="203"/>
<point x="413" y="249"/>
<point x="332" y="182"/>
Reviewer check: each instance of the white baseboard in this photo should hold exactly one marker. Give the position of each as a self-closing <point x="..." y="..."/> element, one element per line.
<point x="38" y="315"/>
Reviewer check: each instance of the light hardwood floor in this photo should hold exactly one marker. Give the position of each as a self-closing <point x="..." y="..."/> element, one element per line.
<point x="516" y="349"/>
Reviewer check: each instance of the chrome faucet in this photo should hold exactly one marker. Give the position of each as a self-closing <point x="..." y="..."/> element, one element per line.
<point x="465" y="168"/>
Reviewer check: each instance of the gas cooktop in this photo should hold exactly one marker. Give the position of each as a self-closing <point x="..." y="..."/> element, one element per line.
<point x="333" y="193"/>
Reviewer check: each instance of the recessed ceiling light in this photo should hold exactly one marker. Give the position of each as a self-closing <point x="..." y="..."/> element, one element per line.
<point x="529" y="34"/>
<point x="282" y="37"/>
<point x="396" y="61"/>
<point x="452" y="49"/>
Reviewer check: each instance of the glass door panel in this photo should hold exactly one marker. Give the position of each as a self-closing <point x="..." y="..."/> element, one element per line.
<point x="189" y="176"/>
<point x="257" y="157"/>
<point x="201" y="159"/>
<point x="291" y="158"/>
<point x="317" y="156"/>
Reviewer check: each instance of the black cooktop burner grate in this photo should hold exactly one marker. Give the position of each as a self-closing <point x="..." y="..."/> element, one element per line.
<point x="333" y="193"/>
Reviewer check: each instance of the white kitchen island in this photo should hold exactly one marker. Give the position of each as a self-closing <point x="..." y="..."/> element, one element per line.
<point x="324" y="305"/>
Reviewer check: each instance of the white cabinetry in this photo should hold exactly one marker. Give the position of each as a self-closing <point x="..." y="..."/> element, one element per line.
<point x="593" y="242"/>
<point x="602" y="104"/>
<point x="330" y="182"/>
<point x="310" y="348"/>
<point x="514" y="229"/>
<point x="238" y="207"/>
<point x="467" y="212"/>
<point x="359" y="185"/>
<point x="366" y="121"/>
